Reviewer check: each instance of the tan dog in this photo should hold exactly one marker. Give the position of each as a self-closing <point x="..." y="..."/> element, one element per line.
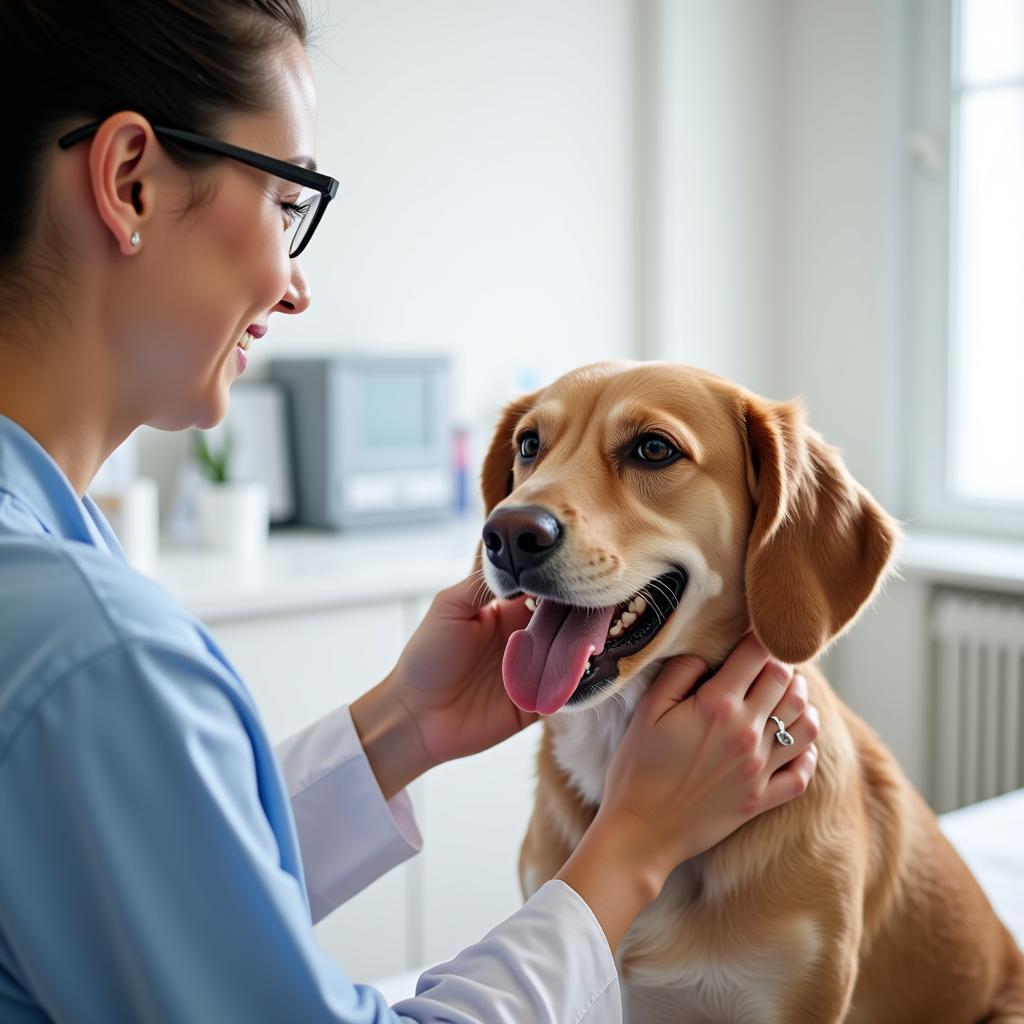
<point x="724" y="511"/>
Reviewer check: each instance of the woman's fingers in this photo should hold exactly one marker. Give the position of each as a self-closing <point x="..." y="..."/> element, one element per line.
<point x="462" y="599"/>
<point x="674" y="681"/>
<point x="730" y="683"/>
<point x="768" y="688"/>
<point x="790" y="706"/>
<point x="470" y="599"/>
<point x="791" y="780"/>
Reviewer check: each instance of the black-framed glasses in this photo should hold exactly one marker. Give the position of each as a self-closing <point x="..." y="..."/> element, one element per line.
<point x="307" y="213"/>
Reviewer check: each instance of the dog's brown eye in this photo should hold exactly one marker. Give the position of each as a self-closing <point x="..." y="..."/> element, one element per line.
<point x="654" y="449"/>
<point x="529" y="445"/>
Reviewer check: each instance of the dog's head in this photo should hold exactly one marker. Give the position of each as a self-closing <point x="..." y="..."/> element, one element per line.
<point x="653" y="509"/>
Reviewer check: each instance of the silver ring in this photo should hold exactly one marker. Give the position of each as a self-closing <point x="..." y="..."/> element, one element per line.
<point x="782" y="736"/>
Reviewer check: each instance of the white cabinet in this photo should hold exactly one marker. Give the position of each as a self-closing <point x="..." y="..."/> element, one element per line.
<point x="317" y="624"/>
<point x="473" y="815"/>
<point x="299" y="665"/>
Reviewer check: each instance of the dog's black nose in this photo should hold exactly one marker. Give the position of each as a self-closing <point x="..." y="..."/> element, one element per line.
<point x="520" y="538"/>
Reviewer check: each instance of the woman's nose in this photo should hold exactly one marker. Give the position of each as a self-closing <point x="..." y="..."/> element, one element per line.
<point x="297" y="298"/>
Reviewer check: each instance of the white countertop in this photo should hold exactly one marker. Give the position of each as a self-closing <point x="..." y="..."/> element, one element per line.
<point x="312" y="568"/>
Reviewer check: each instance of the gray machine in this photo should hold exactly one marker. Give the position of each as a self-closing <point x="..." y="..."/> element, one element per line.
<point x="371" y="438"/>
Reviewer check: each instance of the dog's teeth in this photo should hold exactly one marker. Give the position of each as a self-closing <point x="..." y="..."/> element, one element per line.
<point x="628" y="618"/>
<point x="589" y="667"/>
<point x="616" y="629"/>
<point x="531" y="604"/>
<point x="641" y="606"/>
<point x="632" y="605"/>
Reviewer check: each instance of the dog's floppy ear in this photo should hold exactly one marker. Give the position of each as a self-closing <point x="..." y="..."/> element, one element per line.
<point x="820" y="544"/>
<point x="496" y="474"/>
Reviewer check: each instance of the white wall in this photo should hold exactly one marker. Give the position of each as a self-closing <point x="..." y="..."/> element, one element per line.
<point x="839" y="228"/>
<point x="773" y="154"/>
<point x="486" y="199"/>
<point x="840" y="347"/>
<point x="715" y="228"/>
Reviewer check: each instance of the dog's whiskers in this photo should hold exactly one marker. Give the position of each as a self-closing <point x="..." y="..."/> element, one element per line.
<point x="480" y="593"/>
<point x="646" y="592"/>
<point x="665" y="590"/>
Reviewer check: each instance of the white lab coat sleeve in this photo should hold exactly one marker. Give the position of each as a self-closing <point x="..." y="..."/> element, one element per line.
<point x="348" y="834"/>
<point x="549" y="963"/>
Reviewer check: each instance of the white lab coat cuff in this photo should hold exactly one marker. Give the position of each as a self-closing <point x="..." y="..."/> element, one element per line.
<point x="549" y="963"/>
<point x="348" y="834"/>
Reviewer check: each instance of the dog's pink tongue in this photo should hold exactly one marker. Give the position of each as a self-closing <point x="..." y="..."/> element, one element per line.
<point x="544" y="662"/>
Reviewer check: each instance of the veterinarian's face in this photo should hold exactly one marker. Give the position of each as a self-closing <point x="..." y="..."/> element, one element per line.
<point x="628" y="514"/>
<point x="223" y="266"/>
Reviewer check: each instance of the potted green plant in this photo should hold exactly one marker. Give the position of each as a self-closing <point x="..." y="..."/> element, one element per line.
<point x="214" y="460"/>
<point x="234" y="514"/>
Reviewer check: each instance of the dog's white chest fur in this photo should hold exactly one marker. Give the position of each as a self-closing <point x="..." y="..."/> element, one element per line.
<point x="586" y="741"/>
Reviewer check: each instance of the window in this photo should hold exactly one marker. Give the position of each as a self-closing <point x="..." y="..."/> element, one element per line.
<point x="965" y="262"/>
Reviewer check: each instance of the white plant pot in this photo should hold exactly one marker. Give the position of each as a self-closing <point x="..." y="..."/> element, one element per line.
<point x="235" y="516"/>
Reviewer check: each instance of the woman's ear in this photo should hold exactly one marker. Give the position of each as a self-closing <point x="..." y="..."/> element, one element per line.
<point x="120" y="161"/>
<point x="820" y="544"/>
<point x="496" y="474"/>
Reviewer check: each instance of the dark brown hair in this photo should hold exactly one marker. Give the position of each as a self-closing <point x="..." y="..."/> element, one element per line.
<point x="182" y="63"/>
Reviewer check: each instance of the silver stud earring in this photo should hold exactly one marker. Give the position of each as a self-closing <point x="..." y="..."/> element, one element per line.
<point x="135" y="239"/>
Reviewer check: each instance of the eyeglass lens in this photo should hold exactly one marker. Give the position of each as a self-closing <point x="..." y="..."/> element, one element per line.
<point x="304" y="220"/>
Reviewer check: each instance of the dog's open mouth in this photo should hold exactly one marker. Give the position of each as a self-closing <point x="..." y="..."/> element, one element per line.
<point x="567" y="653"/>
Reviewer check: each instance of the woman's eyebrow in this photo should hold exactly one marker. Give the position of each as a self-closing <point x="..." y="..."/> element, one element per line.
<point x="304" y="161"/>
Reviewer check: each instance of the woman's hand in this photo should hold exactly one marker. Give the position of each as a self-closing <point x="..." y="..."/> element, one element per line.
<point x="449" y="675"/>
<point x="445" y="696"/>
<point x="689" y="771"/>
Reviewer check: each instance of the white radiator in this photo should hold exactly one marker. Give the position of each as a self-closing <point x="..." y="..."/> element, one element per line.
<point x="978" y="659"/>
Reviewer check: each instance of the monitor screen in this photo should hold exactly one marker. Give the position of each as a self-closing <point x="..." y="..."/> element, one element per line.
<point x="396" y="410"/>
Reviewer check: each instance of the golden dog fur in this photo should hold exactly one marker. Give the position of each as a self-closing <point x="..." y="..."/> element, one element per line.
<point x="845" y="904"/>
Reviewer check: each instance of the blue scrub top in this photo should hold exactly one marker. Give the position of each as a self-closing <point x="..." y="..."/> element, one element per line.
<point x="149" y="865"/>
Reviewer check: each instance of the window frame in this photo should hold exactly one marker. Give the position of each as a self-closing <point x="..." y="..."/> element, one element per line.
<point x="931" y="48"/>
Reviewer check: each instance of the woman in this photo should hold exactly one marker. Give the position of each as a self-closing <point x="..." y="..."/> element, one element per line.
<point x="150" y="864"/>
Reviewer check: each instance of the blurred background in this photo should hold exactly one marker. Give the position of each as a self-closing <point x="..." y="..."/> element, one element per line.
<point x="816" y="198"/>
